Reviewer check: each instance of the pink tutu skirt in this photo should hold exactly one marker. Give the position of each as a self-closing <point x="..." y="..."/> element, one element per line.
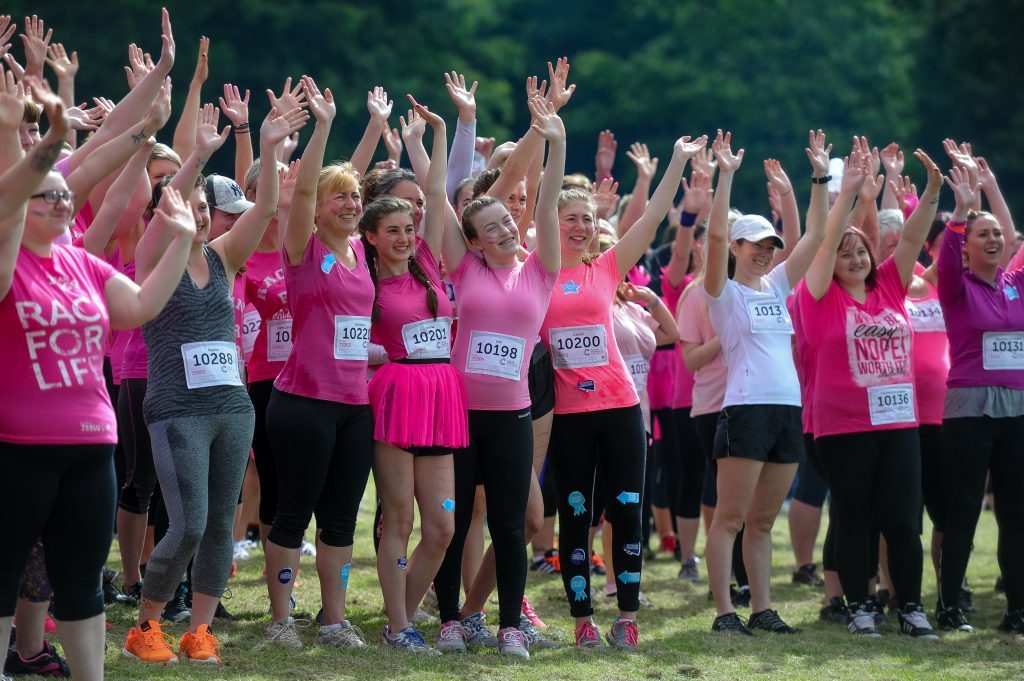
<point x="419" y="405"/>
<point x="661" y="378"/>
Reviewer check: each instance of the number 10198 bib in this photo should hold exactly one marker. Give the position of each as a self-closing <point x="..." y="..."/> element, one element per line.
<point x="210" y="363"/>
<point x="428" y="339"/>
<point x="495" y="354"/>
<point x="573" y="347"/>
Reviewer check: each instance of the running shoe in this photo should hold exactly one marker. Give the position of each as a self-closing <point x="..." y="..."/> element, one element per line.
<point x="308" y="548"/>
<point x="623" y="636"/>
<point x="914" y="623"/>
<point x="835" y="611"/>
<point x="530" y="614"/>
<point x="643" y="599"/>
<point x="241" y="551"/>
<point x="148" y="643"/>
<point x="421" y="616"/>
<point x="769" y="620"/>
<point x="1013" y="622"/>
<point x="134" y="592"/>
<point x="587" y="635"/>
<point x="407" y="639"/>
<point x="202" y="646"/>
<point x="477" y="634"/>
<point x="284" y="633"/>
<point x="740" y="597"/>
<point x="535" y="639"/>
<point x="512" y="642"/>
<point x="876" y="606"/>
<point x="808" y="574"/>
<point x="44" y="663"/>
<point x="862" y="621"/>
<point x="731" y="623"/>
<point x="966" y="598"/>
<point x="597" y="564"/>
<point x="177" y="609"/>
<point x="689" y="572"/>
<point x="346" y="636"/>
<point x="111" y="594"/>
<point x="547" y="564"/>
<point x="221" y="613"/>
<point x="451" y="638"/>
<point x="951" y="619"/>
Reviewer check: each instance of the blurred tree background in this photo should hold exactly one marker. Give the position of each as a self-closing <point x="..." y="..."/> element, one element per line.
<point x="650" y="70"/>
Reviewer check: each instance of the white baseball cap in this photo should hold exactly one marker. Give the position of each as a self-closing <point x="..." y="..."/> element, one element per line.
<point x="754" y="228"/>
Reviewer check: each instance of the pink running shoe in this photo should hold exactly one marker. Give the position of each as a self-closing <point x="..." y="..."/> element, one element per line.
<point x="531" y="614"/>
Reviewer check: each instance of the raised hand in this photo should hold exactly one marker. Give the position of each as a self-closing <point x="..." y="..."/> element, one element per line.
<point x="167" y="48"/>
<point x="546" y="121"/>
<point x="82" y="119"/>
<point x="321" y="104"/>
<point x="277" y="126"/>
<point x="393" y="143"/>
<point x="857" y="169"/>
<point x="698" y="193"/>
<point x="378" y="104"/>
<point x="892" y="160"/>
<point x="687" y="149"/>
<point x="964" y="191"/>
<point x="960" y="154"/>
<point x="35" y="39"/>
<point x="560" y="92"/>
<point x="207" y="138"/>
<point x="463" y="98"/>
<point x="160" y="111"/>
<point x="604" y="160"/>
<point x="139" y="65"/>
<point x="606" y="196"/>
<point x="202" y="71"/>
<point x="104" y="105"/>
<point x="934" y="184"/>
<point x="777" y="178"/>
<point x="176" y="214"/>
<point x="535" y="90"/>
<point x="646" y="166"/>
<point x="426" y="115"/>
<point x="51" y="103"/>
<point x="236" y="107"/>
<point x="63" y="67"/>
<point x="728" y="161"/>
<point x="818" y="153"/>
<point x="289" y="98"/>
<point x="484" y="146"/>
<point x="287" y="178"/>
<point x="414" y="128"/>
<point x="986" y="177"/>
<point x="901" y="187"/>
<point x="704" y="162"/>
<point x="872" y="187"/>
<point x="12" y="101"/>
<point x="6" y="33"/>
<point x="288" y="147"/>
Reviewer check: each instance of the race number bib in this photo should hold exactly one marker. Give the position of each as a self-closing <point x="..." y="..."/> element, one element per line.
<point x="428" y="339"/>
<point x="210" y="363"/>
<point x="351" y="337"/>
<point x="925" y="316"/>
<point x="495" y="354"/>
<point x="573" y="347"/>
<point x="891" y="404"/>
<point x="768" y="315"/>
<point x="250" y="329"/>
<point x="1003" y="350"/>
<point x="279" y="339"/>
<point x="638" y="369"/>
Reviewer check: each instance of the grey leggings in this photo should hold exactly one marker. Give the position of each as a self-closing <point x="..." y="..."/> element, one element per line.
<point x="200" y="462"/>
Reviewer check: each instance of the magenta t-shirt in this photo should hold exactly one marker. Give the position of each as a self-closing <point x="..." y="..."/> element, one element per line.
<point x="930" y="353"/>
<point x="500" y="313"/>
<point x="267" y="292"/>
<point x="864" y="376"/>
<point x="803" y="360"/>
<point x="134" y="357"/>
<point x="330" y="307"/>
<point x="53" y="329"/>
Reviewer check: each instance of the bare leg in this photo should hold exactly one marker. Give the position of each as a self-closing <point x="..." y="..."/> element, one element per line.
<point x="31" y="621"/>
<point x="687" y="529"/>
<point x="329" y="561"/>
<point x="772" y="486"/>
<point x="203" y="609"/>
<point x="394" y="474"/>
<point x="131" y="540"/>
<point x="804" y="524"/>
<point x="434" y="483"/>
<point x="83" y="642"/>
<point x="737" y="479"/>
<point x="282" y="570"/>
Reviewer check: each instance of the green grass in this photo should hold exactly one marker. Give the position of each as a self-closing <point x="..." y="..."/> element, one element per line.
<point x="674" y="634"/>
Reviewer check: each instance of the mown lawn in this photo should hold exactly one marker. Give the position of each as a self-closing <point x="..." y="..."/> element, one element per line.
<point x="675" y="638"/>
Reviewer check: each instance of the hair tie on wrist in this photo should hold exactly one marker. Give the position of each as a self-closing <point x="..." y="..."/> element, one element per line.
<point x="687" y="219"/>
<point x="821" y="180"/>
<point x="958" y="226"/>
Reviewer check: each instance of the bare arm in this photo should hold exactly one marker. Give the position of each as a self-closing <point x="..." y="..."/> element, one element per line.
<point x="915" y="230"/>
<point x="790" y="214"/>
<point x="65" y="68"/>
<point x="437" y="218"/>
<point x="997" y="204"/>
<point x="696" y="201"/>
<point x="717" y="267"/>
<point x="185" y="132"/>
<point x="115" y="205"/>
<point x="667" y="331"/>
<point x="646" y="168"/>
<point x="549" y="125"/>
<point x="379" y="105"/>
<point x="893" y="163"/>
<point x="236" y="108"/>
<point x="412" y="135"/>
<point x="460" y="160"/>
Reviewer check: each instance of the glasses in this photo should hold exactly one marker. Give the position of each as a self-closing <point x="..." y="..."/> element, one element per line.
<point x="52" y="196"/>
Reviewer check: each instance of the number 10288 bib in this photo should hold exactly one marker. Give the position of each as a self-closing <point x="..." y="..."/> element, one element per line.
<point x="210" y="363"/>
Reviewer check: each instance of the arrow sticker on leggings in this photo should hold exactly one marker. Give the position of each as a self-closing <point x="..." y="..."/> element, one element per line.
<point x="629" y="577"/>
<point x="629" y="497"/>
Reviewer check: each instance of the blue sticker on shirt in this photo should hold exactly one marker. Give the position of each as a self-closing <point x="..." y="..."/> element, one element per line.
<point x="587" y="386"/>
<point x="629" y="577"/>
<point x="1011" y="292"/>
<point x="629" y="497"/>
<point x="328" y="263"/>
<point x="345" y="570"/>
<point x="579" y="587"/>
<point x="578" y="556"/>
<point x="576" y="501"/>
<point x="285" y="575"/>
<point x="632" y="549"/>
<point x="570" y="287"/>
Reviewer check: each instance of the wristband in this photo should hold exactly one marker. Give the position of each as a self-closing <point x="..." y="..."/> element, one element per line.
<point x="687" y="219"/>
<point x="821" y="180"/>
<point x="242" y="127"/>
<point x="958" y="226"/>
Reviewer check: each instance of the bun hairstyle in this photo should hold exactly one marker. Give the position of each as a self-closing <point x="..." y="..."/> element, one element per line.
<point x="378" y="183"/>
<point x="973" y="215"/>
<point x="372" y="214"/>
<point x="474" y="207"/>
<point x="485" y="180"/>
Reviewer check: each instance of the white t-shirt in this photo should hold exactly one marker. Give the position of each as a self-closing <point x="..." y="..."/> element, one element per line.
<point x="756" y="330"/>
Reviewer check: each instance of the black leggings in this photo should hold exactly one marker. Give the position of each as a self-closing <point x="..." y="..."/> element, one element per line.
<point x="875" y="478"/>
<point x="325" y="451"/>
<point x="975" y="446"/>
<point x="578" y="441"/>
<point x="263" y="454"/>
<point x="140" y="474"/>
<point x="67" y="494"/>
<point x="500" y="456"/>
<point x="931" y="475"/>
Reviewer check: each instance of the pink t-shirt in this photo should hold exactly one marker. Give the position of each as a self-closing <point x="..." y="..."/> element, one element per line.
<point x="709" y="381"/>
<point x="238" y="303"/>
<point x="134" y="359"/>
<point x="405" y="327"/>
<point x="864" y="376"/>
<point x="118" y="339"/>
<point x="634" y="334"/>
<point x="499" y="317"/>
<point x="53" y="329"/>
<point x="331" y="307"/>
<point x="930" y="353"/>
<point x="589" y="372"/>
<point x="804" y="360"/>
<point x="266" y="291"/>
<point x="676" y="384"/>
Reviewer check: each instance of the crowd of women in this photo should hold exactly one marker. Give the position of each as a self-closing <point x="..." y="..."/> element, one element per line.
<point x="492" y="338"/>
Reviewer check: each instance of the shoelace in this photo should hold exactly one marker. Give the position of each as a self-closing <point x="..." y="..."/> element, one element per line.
<point x="627" y="630"/>
<point x="206" y="642"/>
<point x="917" y="619"/>
<point x="861" y="621"/>
<point x="514" y="637"/>
<point x="150" y="637"/>
<point x="587" y="631"/>
<point x="527" y="609"/>
<point x="772" y="621"/>
<point x="734" y="623"/>
<point x="451" y="630"/>
<point x="287" y="631"/>
<point x="410" y="638"/>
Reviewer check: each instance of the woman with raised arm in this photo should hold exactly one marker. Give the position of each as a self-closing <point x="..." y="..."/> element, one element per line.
<point x="758" y="441"/>
<point x="199" y="416"/>
<point x="983" y="418"/>
<point x="864" y="410"/>
<point x="319" y="424"/>
<point x="597" y="411"/>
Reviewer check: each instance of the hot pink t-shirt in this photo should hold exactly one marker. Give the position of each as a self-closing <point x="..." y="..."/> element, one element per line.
<point x="589" y="372"/>
<point x="930" y="353"/>
<point x="500" y="315"/>
<point x="53" y="329"/>
<point x="864" y="376"/>
<point x="709" y="381"/>
<point x="803" y="359"/>
<point x="238" y="304"/>
<point x="634" y="334"/>
<point x="405" y="327"/>
<point x="266" y="291"/>
<point x="135" y="359"/>
<point x="331" y="307"/>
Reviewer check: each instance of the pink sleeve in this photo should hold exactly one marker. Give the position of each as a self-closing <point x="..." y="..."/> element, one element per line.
<point x="1017" y="261"/>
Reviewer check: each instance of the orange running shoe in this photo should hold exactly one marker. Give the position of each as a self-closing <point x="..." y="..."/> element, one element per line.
<point x="148" y="643"/>
<point x="201" y="646"/>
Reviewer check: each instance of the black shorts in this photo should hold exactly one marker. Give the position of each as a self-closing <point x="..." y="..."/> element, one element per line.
<point x="771" y="433"/>
<point x="428" y="451"/>
<point x="541" y="379"/>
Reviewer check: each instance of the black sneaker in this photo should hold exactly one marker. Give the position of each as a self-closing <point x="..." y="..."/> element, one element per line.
<point x="914" y="623"/>
<point x="222" y="613"/>
<point x="862" y="621"/>
<point x="134" y="591"/>
<point x="111" y="594"/>
<point x="1013" y="622"/>
<point x="808" y="574"/>
<point x="951" y="619"/>
<point x="836" y="611"/>
<point x="966" y="603"/>
<point x="769" y="620"/>
<point x="731" y="623"/>
<point x="876" y="607"/>
<point x="46" y="663"/>
<point x="176" y="609"/>
<point x="740" y="597"/>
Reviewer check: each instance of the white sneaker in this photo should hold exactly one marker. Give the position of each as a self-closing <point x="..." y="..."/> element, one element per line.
<point x="308" y="548"/>
<point x="285" y="633"/>
<point x="421" y="616"/>
<point x="348" y="636"/>
<point x="241" y="550"/>
<point x="512" y="642"/>
<point x="862" y="622"/>
<point x="451" y="638"/>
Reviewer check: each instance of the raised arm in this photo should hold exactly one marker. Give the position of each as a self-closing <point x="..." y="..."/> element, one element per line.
<point x="104" y="225"/>
<point x="696" y="202"/>
<point x="65" y="68"/>
<point x="817" y="207"/>
<point x="412" y="136"/>
<point x="997" y="204"/>
<point x="779" y="182"/>
<point x="460" y="159"/>
<point x="185" y="132"/>
<point x="960" y="155"/>
<point x="21" y="179"/>
<point x="893" y="163"/>
<point x="436" y="214"/>
<point x="667" y="331"/>
<point x="717" y="265"/>
<point x="915" y="229"/>
<point x="604" y="159"/>
<point x="379" y="106"/>
<point x="966" y="192"/>
<point x="547" y="124"/>
<point x="236" y="108"/>
<point x="636" y="241"/>
<point x="646" y="167"/>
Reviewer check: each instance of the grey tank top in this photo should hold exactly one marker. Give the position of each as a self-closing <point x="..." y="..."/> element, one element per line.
<point x="193" y="363"/>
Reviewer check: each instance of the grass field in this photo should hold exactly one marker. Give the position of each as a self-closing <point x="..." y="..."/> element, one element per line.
<point x="674" y="634"/>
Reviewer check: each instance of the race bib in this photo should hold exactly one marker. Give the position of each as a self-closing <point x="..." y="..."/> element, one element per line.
<point x="925" y="316"/>
<point x="279" y="339"/>
<point x="250" y="329"/>
<point x="891" y="404"/>
<point x="495" y="354"/>
<point x="573" y="347"/>
<point x="210" y="363"/>
<point x="1003" y="350"/>
<point x="638" y="369"/>
<point x="768" y="315"/>
<point x="351" y="337"/>
<point x="428" y="339"/>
